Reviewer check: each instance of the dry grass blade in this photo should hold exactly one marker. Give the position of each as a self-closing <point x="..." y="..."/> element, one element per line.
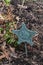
<point x="2" y="56"/>
<point x="9" y="15"/>
<point x="6" y="54"/>
<point x="1" y="17"/>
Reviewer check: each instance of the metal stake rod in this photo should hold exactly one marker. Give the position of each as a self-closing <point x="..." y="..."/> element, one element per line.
<point x="26" y="49"/>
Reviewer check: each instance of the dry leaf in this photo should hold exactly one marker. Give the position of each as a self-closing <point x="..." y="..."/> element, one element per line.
<point x="1" y="17"/>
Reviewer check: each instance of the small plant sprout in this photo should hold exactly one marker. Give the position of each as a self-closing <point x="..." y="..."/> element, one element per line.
<point x="34" y="0"/>
<point x="7" y="2"/>
<point x="1" y="29"/>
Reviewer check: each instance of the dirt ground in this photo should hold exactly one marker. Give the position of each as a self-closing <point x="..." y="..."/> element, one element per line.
<point x="32" y="16"/>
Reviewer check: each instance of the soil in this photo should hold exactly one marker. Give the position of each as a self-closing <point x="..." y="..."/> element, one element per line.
<point x="32" y="16"/>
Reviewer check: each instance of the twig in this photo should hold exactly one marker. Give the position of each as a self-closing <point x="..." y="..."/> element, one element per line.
<point x="23" y="2"/>
<point x="2" y="56"/>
